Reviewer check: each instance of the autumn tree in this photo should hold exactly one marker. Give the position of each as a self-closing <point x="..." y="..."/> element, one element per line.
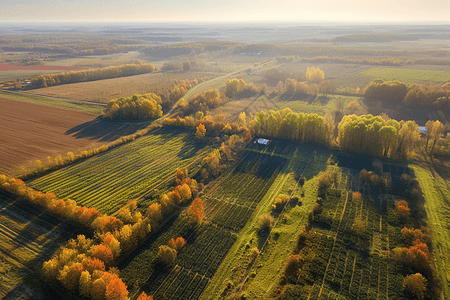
<point x="166" y="254"/>
<point x="116" y="290"/>
<point x="403" y="209"/>
<point x="201" y="131"/>
<point x="177" y="243"/>
<point x="266" y="222"/>
<point x="195" y="211"/>
<point x="356" y="196"/>
<point x="314" y="74"/>
<point x="416" y="284"/>
<point x="143" y="296"/>
<point x="434" y="131"/>
<point x="85" y="284"/>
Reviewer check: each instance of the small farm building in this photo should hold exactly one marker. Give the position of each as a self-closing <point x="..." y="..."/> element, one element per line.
<point x="262" y="141"/>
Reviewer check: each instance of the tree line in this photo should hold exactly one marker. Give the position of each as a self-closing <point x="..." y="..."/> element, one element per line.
<point x="136" y="107"/>
<point x="393" y="93"/>
<point x="336" y="59"/>
<point x="91" y="74"/>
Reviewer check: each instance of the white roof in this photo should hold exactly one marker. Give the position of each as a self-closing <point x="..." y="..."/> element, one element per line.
<point x="263" y="141"/>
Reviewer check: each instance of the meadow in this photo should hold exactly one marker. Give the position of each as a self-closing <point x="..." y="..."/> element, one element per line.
<point x="315" y="104"/>
<point x="110" y="179"/>
<point x="409" y="76"/>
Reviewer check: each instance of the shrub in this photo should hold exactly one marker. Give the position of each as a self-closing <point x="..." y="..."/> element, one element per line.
<point x="167" y="255"/>
<point x="266" y="222"/>
<point x="416" y="284"/>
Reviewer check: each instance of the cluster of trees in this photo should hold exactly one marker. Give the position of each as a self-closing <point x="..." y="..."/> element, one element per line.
<point x="377" y="136"/>
<point x="365" y="61"/>
<point x="314" y="75"/>
<point x="394" y="93"/>
<point x="168" y="254"/>
<point x="285" y="124"/>
<point x="299" y="89"/>
<point x="274" y="75"/>
<point x="175" y="91"/>
<point x="437" y="96"/>
<point x="188" y="65"/>
<point x="219" y="159"/>
<point x="136" y="107"/>
<point x="390" y="93"/>
<point x="92" y="74"/>
<point x="416" y="257"/>
<point x="186" y="49"/>
<point x="238" y="88"/>
<point x="204" y="101"/>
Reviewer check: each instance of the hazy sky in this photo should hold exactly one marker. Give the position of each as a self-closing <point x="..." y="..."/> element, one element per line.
<point x="228" y="10"/>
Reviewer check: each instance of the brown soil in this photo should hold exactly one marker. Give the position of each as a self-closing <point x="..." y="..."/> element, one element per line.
<point x="31" y="131"/>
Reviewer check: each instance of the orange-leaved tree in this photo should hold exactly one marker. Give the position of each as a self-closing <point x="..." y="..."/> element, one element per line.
<point x="143" y="296"/>
<point x="201" y="131"/>
<point x="116" y="290"/>
<point x="195" y="211"/>
<point x="177" y="243"/>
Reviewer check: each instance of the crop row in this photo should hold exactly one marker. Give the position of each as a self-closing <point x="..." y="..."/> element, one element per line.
<point x="347" y="270"/>
<point x="251" y="179"/>
<point x="108" y="180"/>
<point x="231" y="216"/>
<point x="206" y="246"/>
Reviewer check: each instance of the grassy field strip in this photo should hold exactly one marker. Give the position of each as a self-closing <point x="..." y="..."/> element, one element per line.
<point x="408" y="76"/>
<point x="436" y="192"/>
<point x="85" y="106"/>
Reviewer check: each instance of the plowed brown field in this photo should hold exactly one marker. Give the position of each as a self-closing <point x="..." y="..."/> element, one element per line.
<point x="31" y="131"/>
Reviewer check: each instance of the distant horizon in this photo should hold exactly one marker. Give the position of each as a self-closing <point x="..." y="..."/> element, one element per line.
<point x="247" y="23"/>
<point x="231" y="11"/>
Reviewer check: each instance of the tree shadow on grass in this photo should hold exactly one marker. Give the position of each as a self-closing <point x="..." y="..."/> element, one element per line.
<point x="106" y="131"/>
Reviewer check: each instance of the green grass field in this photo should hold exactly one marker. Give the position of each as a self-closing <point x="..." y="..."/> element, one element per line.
<point x="435" y="185"/>
<point x="90" y="108"/>
<point x="108" y="180"/>
<point x="408" y="76"/>
<point x="318" y="106"/>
